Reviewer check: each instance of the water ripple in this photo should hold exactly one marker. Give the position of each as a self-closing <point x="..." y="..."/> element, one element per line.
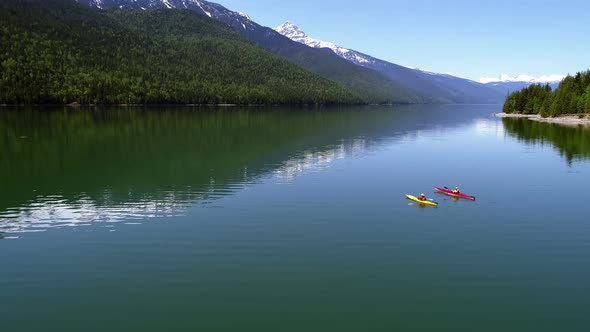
<point x="55" y="211"/>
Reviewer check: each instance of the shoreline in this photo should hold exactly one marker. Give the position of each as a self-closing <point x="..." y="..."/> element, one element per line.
<point x="566" y="119"/>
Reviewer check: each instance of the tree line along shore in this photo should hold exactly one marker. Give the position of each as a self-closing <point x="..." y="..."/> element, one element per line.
<point x="572" y="97"/>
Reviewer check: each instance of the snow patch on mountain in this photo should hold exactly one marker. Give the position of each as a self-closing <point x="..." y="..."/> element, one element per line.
<point x="427" y="71"/>
<point x="523" y="78"/>
<point x="203" y="9"/>
<point x="245" y="16"/>
<point x="236" y="20"/>
<point x="97" y="3"/>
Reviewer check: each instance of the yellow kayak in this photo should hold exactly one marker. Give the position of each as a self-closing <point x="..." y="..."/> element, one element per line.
<point x="415" y="199"/>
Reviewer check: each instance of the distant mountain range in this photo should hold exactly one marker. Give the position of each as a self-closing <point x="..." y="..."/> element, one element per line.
<point x="507" y="84"/>
<point x="508" y="87"/>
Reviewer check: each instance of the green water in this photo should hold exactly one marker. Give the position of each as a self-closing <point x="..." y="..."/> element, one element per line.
<point x="202" y="219"/>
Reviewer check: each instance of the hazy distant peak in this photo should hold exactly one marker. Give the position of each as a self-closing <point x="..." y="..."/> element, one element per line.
<point x="523" y="78"/>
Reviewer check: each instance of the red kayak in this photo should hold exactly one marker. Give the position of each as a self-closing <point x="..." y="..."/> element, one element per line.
<point x="450" y="192"/>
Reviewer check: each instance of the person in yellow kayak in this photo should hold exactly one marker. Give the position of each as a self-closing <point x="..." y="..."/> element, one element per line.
<point x="422" y="197"/>
<point x="456" y="191"/>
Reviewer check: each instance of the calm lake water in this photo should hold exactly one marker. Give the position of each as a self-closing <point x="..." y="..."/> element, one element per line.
<point x="199" y="219"/>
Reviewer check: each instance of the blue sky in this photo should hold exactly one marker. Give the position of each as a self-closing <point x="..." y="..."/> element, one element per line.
<point x="471" y="39"/>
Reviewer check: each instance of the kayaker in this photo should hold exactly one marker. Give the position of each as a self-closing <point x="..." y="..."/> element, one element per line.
<point x="422" y="197"/>
<point x="456" y="190"/>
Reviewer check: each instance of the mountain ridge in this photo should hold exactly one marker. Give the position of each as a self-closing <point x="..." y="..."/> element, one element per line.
<point x="447" y="87"/>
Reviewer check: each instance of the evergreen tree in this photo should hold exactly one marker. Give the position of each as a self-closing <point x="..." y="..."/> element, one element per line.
<point x="571" y="97"/>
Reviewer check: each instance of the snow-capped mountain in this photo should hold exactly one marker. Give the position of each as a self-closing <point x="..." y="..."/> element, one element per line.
<point x="446" y="87"/>
<point x="294" y="33"/>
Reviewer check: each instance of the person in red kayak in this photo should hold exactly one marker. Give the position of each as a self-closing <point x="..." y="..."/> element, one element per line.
<point x="422" y="197"/>
<point x="456" y="191"/>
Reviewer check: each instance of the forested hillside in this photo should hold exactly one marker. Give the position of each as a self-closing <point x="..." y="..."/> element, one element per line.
<point x="370" y="85"/>
<point x="58" y="51"/>
<point x="571" y="97"/>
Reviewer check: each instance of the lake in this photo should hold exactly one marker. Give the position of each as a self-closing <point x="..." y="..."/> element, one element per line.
<point x="291" y="219"/>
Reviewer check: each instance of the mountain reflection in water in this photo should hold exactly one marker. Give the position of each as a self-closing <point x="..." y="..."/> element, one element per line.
<point x="64" y="167"/>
